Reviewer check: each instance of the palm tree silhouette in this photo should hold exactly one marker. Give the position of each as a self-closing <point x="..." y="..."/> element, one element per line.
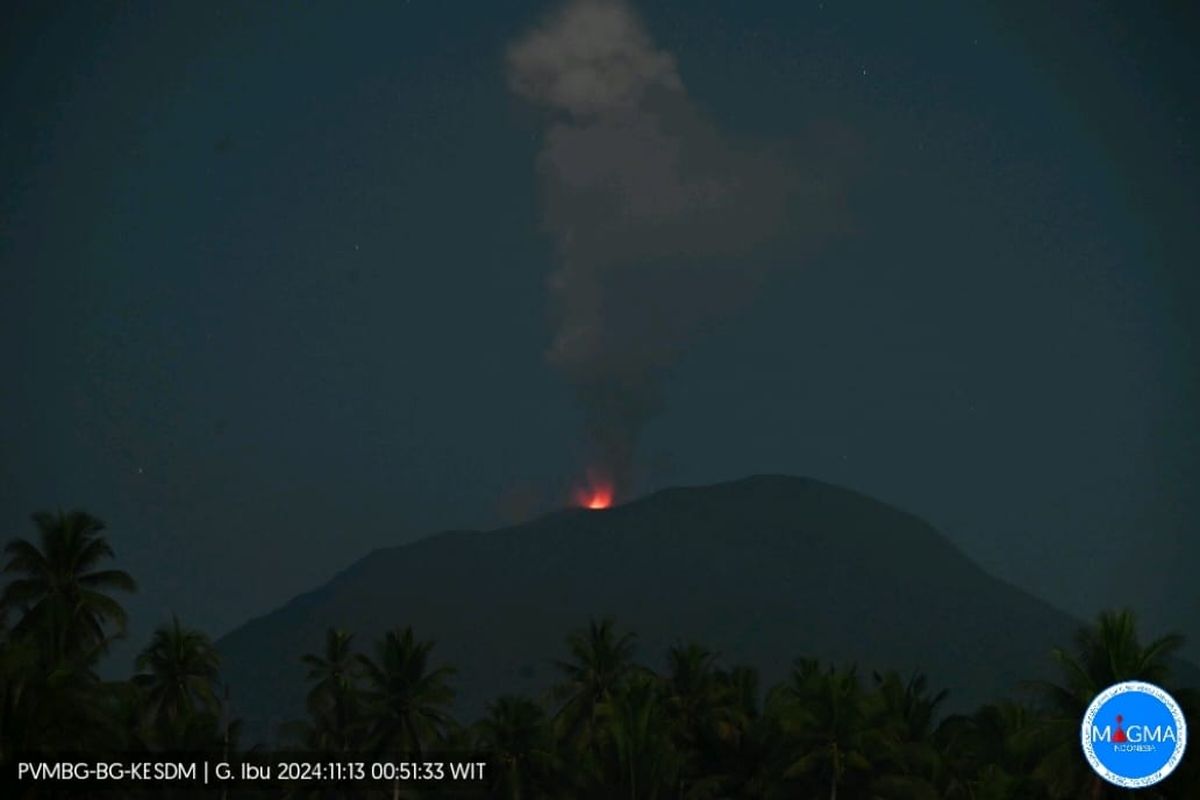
<point x="990" y="754"/>
<point x="406" y="700"/>
<point x="62" y="595"/>
<point x="706" y="712"/>
<point x="900" y="736"/>
<point x="1108" y="652"/>
<point x="518" y="735"/>
<point x="823" y="711"/>
<point x="177" y="675"/>
<point x="600" y="661"/>
<point x="633" y="742"/>
<point x="334" y="701"/>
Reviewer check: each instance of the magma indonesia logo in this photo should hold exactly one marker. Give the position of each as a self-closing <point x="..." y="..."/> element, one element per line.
<point x="1133" y="734"/>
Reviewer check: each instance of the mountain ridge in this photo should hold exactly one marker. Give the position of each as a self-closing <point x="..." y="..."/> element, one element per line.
<point x="763" y="569"/>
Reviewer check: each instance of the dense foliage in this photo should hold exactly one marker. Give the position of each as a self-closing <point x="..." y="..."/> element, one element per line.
<point x="611" y="728"/>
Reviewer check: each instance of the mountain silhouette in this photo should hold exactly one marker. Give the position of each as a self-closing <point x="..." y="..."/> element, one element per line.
<point x="763" y="570"/>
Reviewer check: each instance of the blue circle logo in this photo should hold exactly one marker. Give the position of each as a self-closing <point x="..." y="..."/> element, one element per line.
<point x="1133" y="734"/>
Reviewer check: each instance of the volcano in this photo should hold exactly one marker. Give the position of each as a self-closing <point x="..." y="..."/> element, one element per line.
<point x="597" y="495"/>
<point x="763" y="570"/>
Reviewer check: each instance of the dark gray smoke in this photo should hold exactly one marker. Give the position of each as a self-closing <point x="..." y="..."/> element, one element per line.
<point x="655" y="215"/>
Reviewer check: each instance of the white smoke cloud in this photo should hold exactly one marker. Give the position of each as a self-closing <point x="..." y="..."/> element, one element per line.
<point x="592" y="58"/>
<point x="656" y="216"/>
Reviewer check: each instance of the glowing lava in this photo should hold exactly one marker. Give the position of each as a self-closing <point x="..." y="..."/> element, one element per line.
<point x="596" y="496"/>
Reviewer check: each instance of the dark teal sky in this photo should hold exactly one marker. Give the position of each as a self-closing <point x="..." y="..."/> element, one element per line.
<point x="273" y="285"/>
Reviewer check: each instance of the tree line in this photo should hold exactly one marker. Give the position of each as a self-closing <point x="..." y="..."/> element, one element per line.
<point x="697" y="729"/>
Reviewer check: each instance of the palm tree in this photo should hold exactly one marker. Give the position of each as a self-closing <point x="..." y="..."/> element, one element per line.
<point x="61" y="710"/>
<point x="705" y="711"/>
<point x="991" y="754"/>
<point x="518" y="736"/>
<point x="177" y="674"/>
<point x="740" y="684"/>
<point x="601" y="660"/>
<point x="637" y="757"/>
<point x="50" y="698"/>
<point x="334" y="701"/>
<point x="18" y="672"/>
<point x="755" y="753"/>
<point x="693" y="690"/>
<point x="62" y="595"/>
<point x="1110" y="652"/>
<point x="823" y="713"/>
<point x="901" y="734"/>
<point x="1105" y="653"/>
<point x="406" y="700"/>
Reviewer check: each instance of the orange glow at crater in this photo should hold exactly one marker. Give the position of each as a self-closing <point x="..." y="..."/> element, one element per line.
<point x="597" y="495"/>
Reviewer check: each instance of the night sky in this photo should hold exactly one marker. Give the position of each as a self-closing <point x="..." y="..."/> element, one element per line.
<point x="275" y="283"/>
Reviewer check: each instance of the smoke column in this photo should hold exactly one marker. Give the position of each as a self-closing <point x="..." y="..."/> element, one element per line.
<point x="655" y="215"/>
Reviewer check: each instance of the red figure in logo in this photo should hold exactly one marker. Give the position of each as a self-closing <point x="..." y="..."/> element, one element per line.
<point x="1119" y="736"/>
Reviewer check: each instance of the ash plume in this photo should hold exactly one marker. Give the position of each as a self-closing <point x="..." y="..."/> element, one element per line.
<point x="657" y="217"/>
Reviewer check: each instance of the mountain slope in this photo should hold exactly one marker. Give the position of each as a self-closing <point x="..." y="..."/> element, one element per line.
<point x="763" y="570"/>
